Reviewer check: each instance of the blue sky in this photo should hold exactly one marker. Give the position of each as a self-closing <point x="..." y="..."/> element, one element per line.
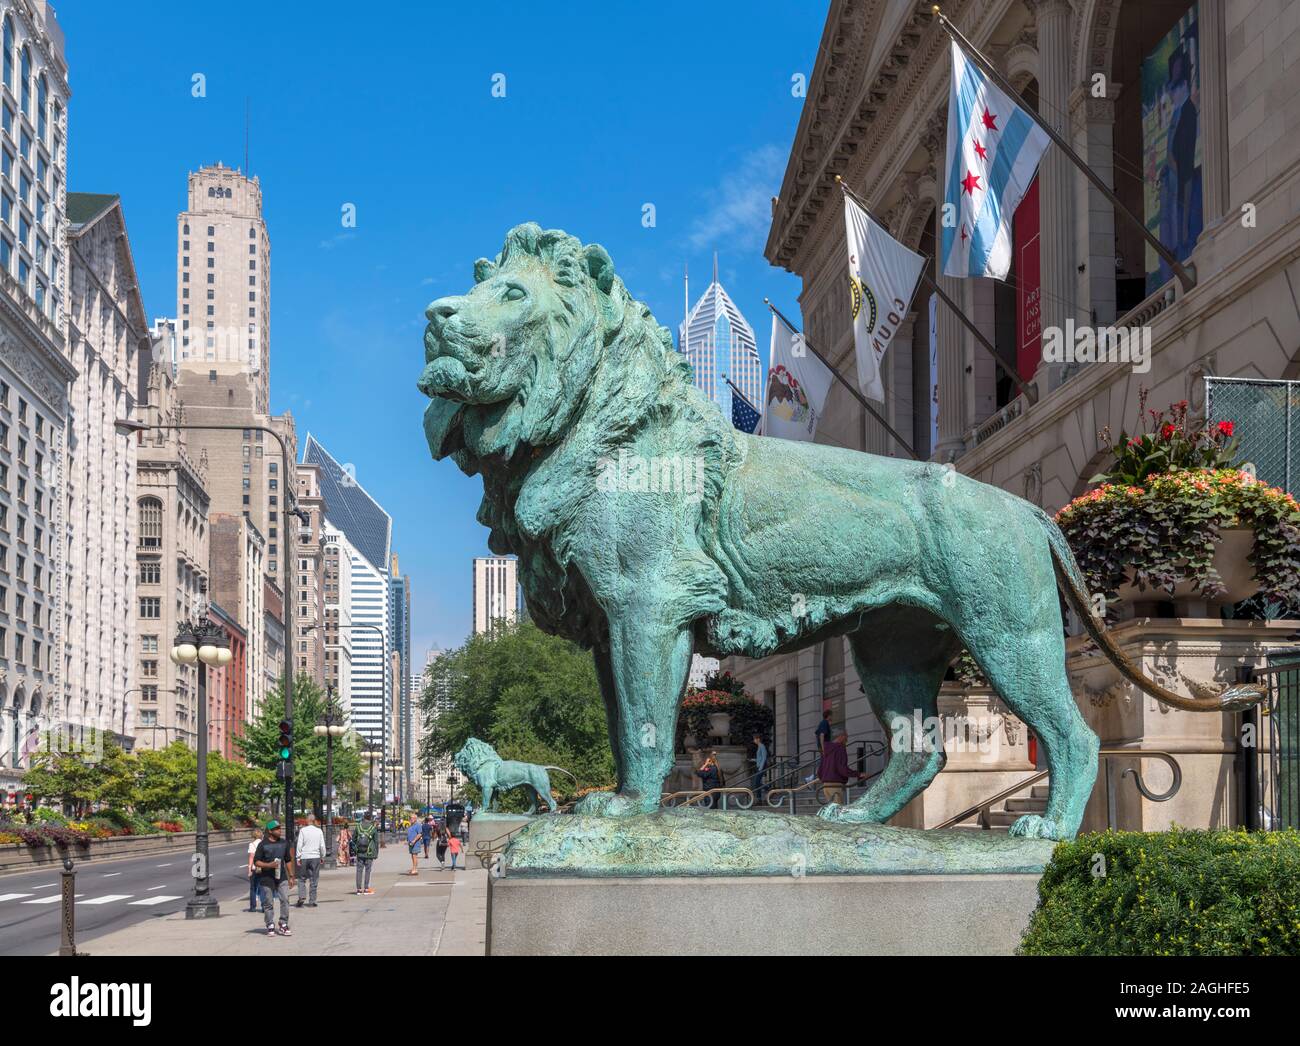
<point x="608" y="106"/>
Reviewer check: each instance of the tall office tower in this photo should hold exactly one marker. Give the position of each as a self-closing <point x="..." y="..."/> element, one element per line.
<point x="235" y="572"/>
<point x="496" y="591"/>
<point x="336" y="594"/>
<point x="274" y="641"/>
<point x="719" y="342"/>
<point x="399" y="613"/>
<point x="171" y="565"/>
<point x="307" y="585"/>
<point x="437" y="705"/>
<point x="223" y="279"/>
<point x="365" y="530"/>
<point x="35" y="373"/>
<point x="108" y="338"/>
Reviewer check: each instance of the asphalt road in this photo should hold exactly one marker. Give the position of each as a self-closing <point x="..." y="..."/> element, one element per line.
<point x="111" y="895"/>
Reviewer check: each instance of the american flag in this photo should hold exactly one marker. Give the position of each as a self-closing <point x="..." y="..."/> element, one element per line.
<point x="743" y="413"/>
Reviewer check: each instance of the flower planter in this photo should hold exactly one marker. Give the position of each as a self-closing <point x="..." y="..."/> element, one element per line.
<point x="1231" y="564"/>
<point x="720" y="724"/>
<point x="690" y="742"/>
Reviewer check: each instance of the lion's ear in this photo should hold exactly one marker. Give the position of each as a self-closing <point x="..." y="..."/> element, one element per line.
<point x="484" y="270"/>
<point x="600" y="266"/>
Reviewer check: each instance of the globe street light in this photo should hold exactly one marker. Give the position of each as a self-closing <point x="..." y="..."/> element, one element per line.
<point x="203" y="643"/>
<point x="329" y="726"/>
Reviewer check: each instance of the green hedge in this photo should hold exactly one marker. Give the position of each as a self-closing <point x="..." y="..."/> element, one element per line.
<point x="1224" y="892"/>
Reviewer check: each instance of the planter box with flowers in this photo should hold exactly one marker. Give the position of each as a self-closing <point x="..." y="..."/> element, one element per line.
<point x="1175" y="520"/>
<point x="722" y="711"/>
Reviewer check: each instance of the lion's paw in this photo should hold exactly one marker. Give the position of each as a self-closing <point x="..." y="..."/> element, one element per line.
<point x="615" y="804"/>
<point x="850" y="814"/>
<point x="1031" y="826"/>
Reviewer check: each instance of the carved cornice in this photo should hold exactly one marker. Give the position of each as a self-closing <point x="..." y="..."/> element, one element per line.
<point x="1094" y="40"/>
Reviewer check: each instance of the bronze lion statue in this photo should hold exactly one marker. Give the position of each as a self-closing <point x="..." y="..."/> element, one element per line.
<point x="647" y="528"/>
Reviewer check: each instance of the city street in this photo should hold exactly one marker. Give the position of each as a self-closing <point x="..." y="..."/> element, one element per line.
<point x="136" y="907"/>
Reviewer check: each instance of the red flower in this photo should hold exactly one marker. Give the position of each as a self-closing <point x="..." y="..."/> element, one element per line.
<point x="1167" y="430"/>
<point x="1225" y="428"/>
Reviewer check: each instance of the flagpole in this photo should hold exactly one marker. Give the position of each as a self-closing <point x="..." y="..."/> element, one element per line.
<point x="845" y="382"/>
<point x="1028" y="391"/>
<point x="1185" y="277"/>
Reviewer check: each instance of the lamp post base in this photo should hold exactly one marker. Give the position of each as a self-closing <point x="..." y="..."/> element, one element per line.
<point x="202" y="908"/>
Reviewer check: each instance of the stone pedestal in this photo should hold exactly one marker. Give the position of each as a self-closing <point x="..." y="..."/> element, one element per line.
<point x="768" y="915"/>
<point x="1186" y="655"/>
<point x="484" y="828"/>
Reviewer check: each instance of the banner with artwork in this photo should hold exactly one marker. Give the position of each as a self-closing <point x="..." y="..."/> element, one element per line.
<point x="1171" y="146"/>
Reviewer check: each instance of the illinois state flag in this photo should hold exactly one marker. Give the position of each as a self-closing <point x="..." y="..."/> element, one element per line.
<point x="993" y="151"/>
<point x="882" y="277"/>
<point x="797" y="383"/>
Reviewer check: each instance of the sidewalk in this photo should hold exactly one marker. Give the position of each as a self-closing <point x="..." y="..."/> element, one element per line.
<point x="436" y="913"/>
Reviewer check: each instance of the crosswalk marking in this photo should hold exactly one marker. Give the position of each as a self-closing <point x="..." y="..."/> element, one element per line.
<point x="155" y="900"/>
<point x="54" y="899"/>
<point x="108" y="898"/>
<point x="109" y="875"/>
<point x="12" y="896"/>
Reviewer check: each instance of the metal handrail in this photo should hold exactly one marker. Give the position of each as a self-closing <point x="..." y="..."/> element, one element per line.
<point x="982" y="808"/>
<point x="486" y="850"/>
<point x="693" y="796"/>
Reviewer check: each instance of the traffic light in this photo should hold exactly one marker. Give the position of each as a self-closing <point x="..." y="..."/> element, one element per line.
<point x="286" y="739"/>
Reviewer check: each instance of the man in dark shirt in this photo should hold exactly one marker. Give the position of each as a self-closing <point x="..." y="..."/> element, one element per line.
<point x="273" y="860"/>
<point x="834" y="771"/>
<point x="823" y="734"/>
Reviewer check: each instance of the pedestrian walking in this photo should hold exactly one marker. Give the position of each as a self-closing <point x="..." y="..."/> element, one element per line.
<point x="344" y="844"/>
<point x="426" y="834"/>
<point x="834" y="771"/>
<point x="252" y="872"/>
<point x="463" y="830"/>
<point x="454" y="845"/>
<point x="365" y="848"/>
<point x="311" y="852"/>
<point x="441" y="848"/>
<point x="413" y="837"/>
<point x="273" y="860"/>
<point x="760" y="763"/>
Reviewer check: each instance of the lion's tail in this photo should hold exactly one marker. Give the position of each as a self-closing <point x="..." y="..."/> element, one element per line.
<point x="1232" y="697"/>
<point x="563" y="771"/>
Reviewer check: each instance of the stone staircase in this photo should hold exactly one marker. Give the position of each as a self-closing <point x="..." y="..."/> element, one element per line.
<point x="1012" y="809"/>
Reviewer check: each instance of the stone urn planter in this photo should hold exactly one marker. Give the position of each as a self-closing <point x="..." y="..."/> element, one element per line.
<point x="1231" y="564"/>
<point x="720" y="724"/>
<point x="690" y="742"/>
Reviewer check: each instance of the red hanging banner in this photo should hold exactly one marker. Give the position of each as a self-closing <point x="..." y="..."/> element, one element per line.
<point x="1029" y="310"/>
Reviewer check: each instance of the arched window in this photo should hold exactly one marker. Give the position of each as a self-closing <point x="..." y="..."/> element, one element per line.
<point x="150" y="523"/>
<point x="27" y="83"/>
<point x="42" y="105"/>
<point x="9" y="53"/>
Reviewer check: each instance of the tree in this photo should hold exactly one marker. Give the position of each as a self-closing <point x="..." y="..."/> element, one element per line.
<point x="532" y="696"/>
<point x="260" y="744"/>
<point x="81" y="779"/>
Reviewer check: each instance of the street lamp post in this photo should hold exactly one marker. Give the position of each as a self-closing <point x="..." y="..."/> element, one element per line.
<point x="202" y="643"/>
<point x="127" y="426"/>
<point x="330" y="726"/>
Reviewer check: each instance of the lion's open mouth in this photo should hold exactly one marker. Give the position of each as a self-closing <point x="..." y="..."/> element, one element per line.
<point x="447" y="377"/>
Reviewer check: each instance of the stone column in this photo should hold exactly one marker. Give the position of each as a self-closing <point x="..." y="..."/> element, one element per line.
<point x="1056" y="173"/>
<point x="1215" y="174"/>
<point x="1094" y="140"/>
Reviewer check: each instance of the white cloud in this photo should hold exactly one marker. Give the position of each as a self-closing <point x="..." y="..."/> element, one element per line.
<point x="740" y="208"/>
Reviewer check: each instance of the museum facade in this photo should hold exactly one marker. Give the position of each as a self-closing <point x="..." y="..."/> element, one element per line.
<point x="1117" y="80"/>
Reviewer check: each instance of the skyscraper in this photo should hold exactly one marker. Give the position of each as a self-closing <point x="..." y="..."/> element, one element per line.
<point x="223" y="294"/>
<point x="719" y="342"/>
<point x="496" y="591"/>
<point x="399" y="614"/>
<point x="35" y="374"/>
<point x="363" y="533"/>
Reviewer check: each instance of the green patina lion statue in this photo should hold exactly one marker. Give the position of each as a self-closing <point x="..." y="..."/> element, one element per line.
<point x="479" y="761"/>
<point x="648" y="528"/>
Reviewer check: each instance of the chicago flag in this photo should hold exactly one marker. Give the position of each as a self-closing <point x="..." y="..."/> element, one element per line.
<point x="993" y="151"/>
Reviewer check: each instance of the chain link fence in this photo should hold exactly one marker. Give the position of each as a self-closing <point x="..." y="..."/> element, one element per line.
<point x="1266" y="421"/>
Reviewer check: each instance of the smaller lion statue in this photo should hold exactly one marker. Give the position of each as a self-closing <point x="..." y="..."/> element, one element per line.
<point x="479" y="761"/>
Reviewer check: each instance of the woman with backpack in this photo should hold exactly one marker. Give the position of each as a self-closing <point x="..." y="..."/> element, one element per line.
<point x="442" y="847"/>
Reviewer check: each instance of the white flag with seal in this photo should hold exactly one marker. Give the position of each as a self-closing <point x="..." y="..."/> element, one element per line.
<point x="882" y="277"/>
<point x="797" y="383"/>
